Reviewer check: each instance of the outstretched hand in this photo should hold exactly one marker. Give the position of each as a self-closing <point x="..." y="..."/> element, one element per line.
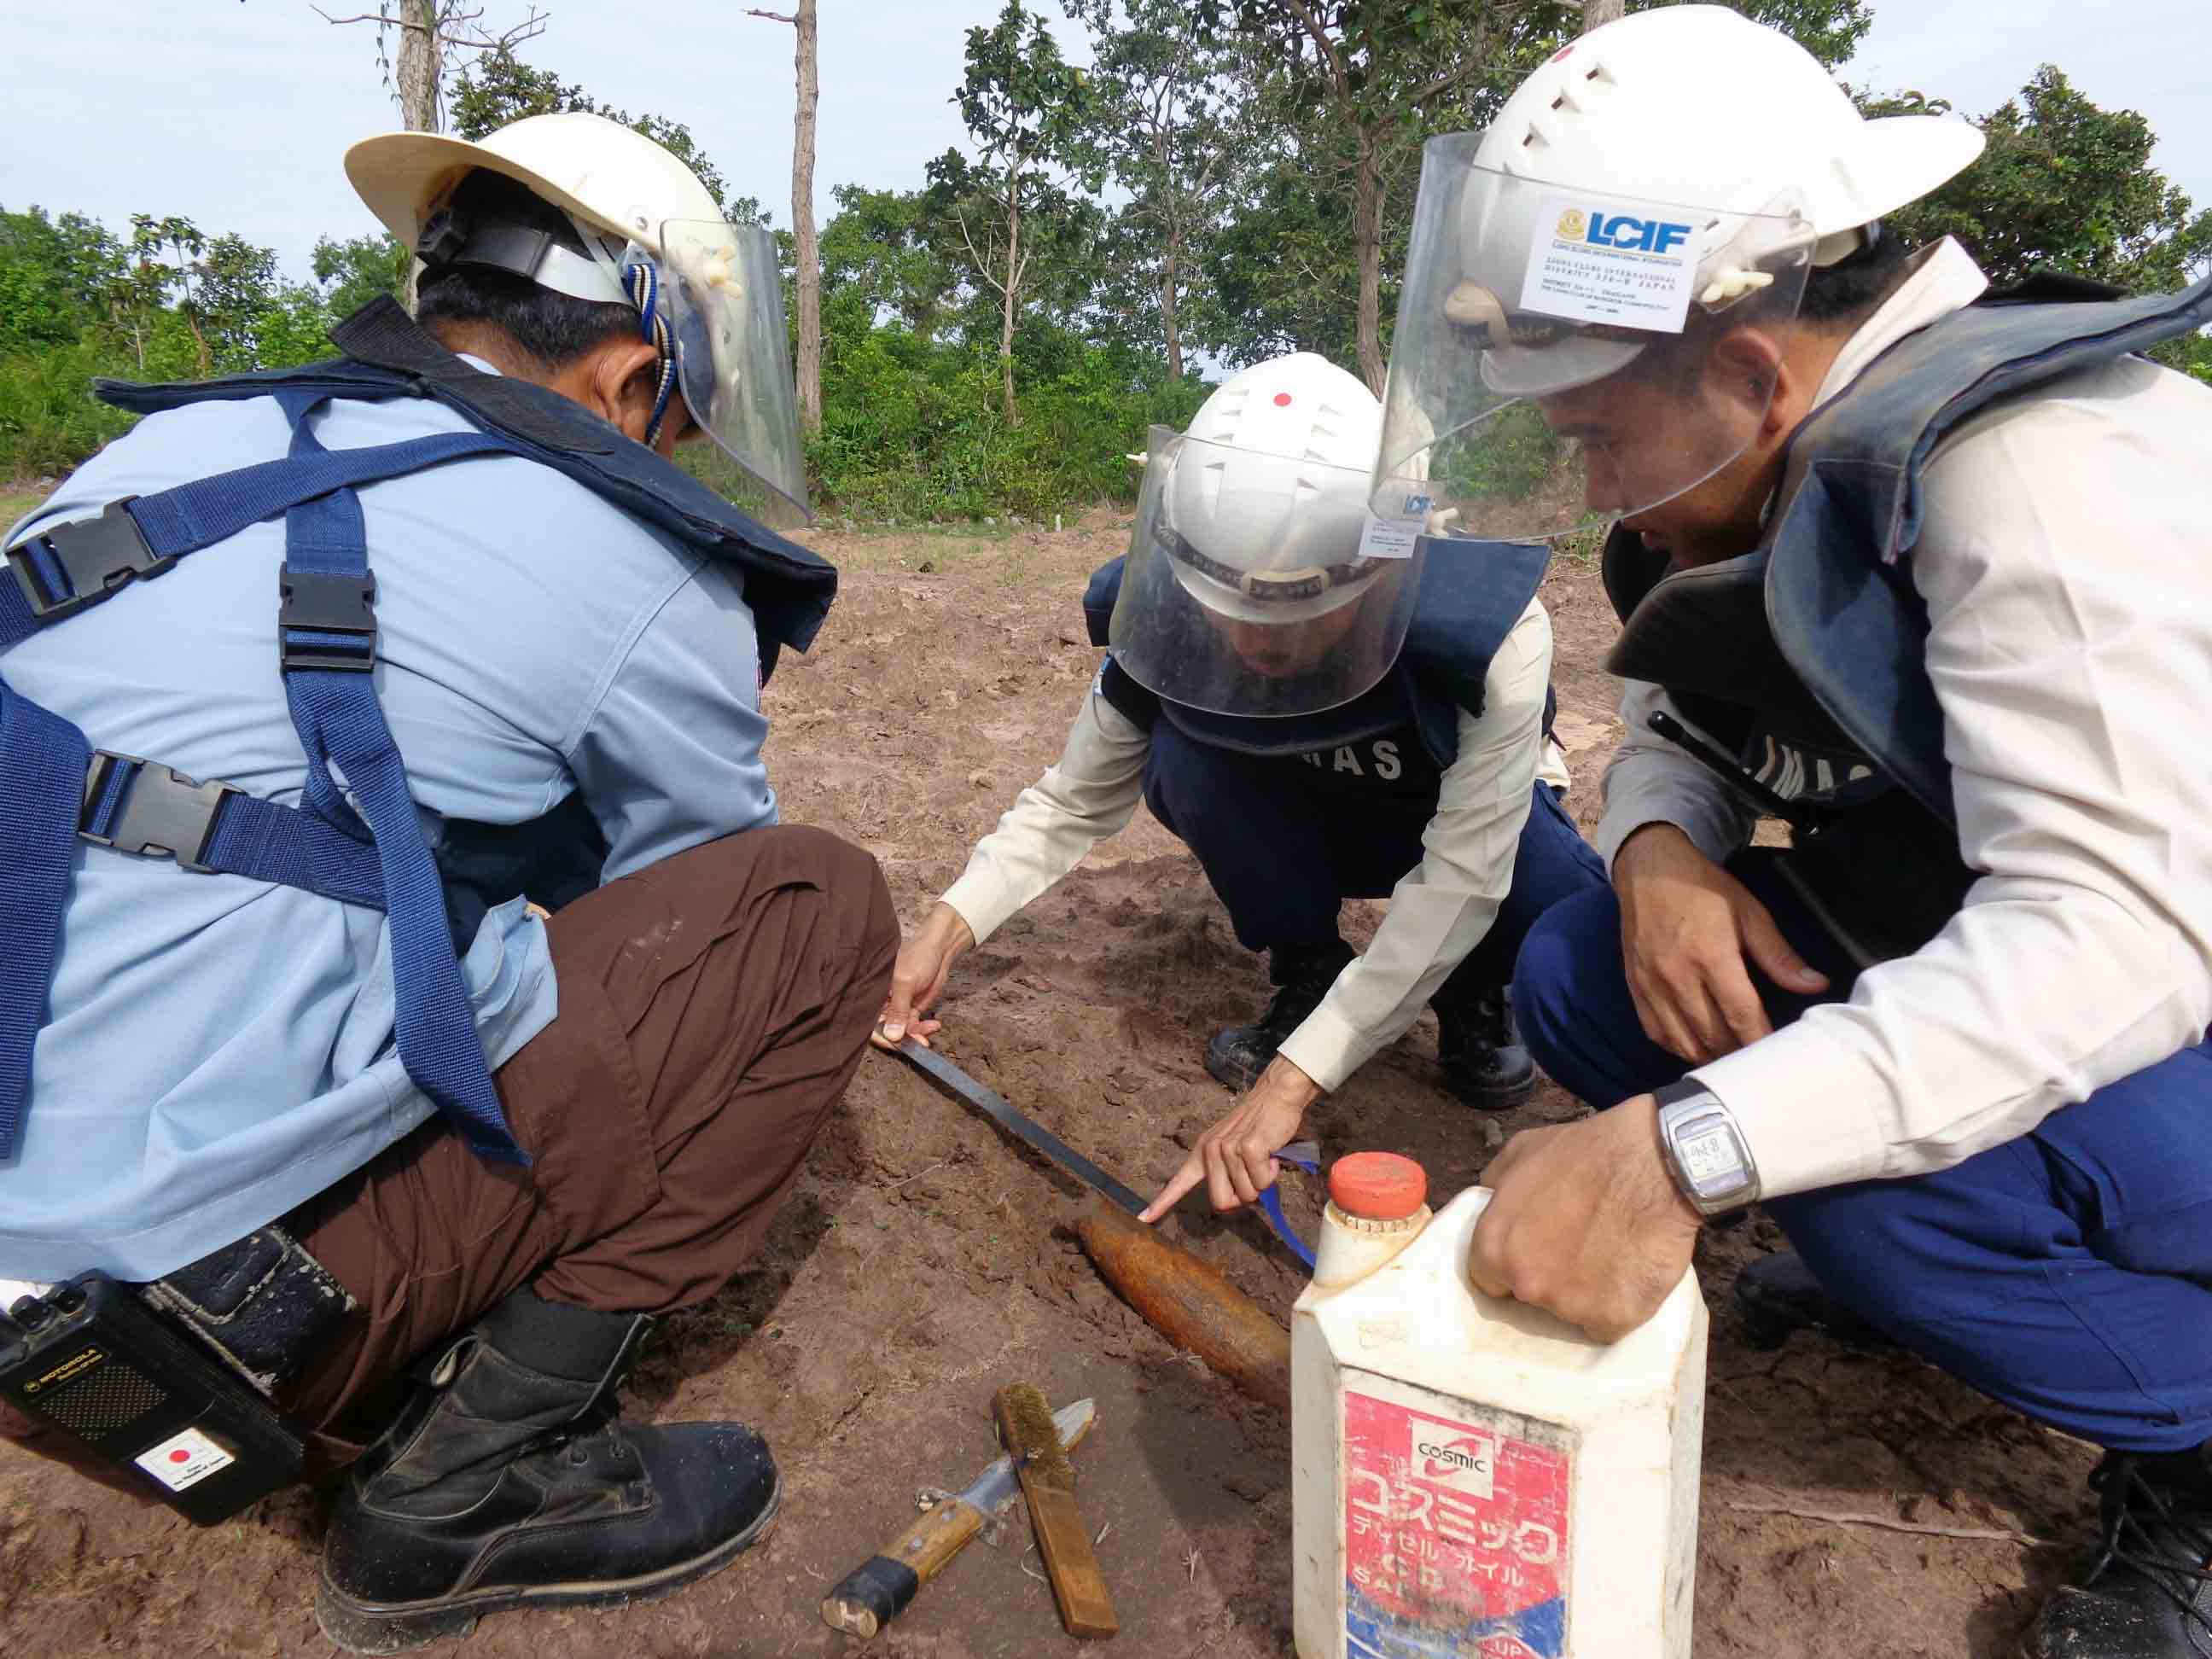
<point x="918" y="977"/>
<point x="1585" y="1222"/>
<point x="1235" y="1158"/>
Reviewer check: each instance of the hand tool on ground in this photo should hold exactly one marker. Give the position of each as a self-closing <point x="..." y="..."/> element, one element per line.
<point x="950" y="1078"/>
<point x="1033" y="1440"/>
<point x="877" y="1590"/>
<point x="1190" y="1303"/>
<point x="994" y="1106"/>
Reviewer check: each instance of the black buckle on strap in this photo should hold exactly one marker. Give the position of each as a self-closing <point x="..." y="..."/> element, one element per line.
<point x="165" y="814"/>
<point x="323" y="602"/>
<point x="97" y="555"/>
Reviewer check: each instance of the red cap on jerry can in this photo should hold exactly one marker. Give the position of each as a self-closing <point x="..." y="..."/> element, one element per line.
<point x="1378" y="1186"/>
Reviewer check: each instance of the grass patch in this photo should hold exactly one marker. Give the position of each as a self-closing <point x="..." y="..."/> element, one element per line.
<point x="16" y="499"/>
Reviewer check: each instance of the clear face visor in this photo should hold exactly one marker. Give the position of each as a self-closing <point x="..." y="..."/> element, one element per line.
<point x="719" y="288"/>
<point x="1566" y="357"/>
<point x="1252" y="587"/>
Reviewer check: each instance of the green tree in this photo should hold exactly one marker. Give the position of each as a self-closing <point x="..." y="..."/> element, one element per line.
<point x="1355" y="86"/>
<point x="355" y="271"/>
<point x="237" y="289"/>
<point x="1164" y="124"/>
<point x="1024" y="105"/>
<point x="2063" y="185"/>
<point x="56" y="277"/>
<point x="163" y="250"/>
<point x="1346" y="92"/>
<point x="888" y="249"/>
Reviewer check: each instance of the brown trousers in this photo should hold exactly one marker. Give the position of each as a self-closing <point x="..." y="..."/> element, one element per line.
<point x="713" y="1009"/>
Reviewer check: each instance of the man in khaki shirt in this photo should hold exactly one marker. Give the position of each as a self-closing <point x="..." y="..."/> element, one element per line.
<point x="1929" y="578"/>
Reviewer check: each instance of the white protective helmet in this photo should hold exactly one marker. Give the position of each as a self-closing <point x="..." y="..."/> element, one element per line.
<point x="708" y="292"/>
<point x="1695" y="106"/>
<point x="1684" y="160"/>
<point x="1258" y="512"/>
<point x="1268" y="491"/>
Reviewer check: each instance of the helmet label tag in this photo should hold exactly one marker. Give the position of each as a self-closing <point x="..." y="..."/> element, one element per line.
<point x="1598" y="260"/>
<point x="1394" y="538"/>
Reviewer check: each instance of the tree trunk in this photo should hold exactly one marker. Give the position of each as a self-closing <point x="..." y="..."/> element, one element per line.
<point x="1367" y="237"/>
<point x="1012" y="287"/>
<point x="1596" y="14"/>
<point x="418" y="74"/>
<point x="1172" y="334"/>
<point x="807" y="251"/>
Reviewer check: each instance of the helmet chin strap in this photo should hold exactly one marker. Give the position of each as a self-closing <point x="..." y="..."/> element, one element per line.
<point x="637" y="277"/>
<point x="644" y="281"/>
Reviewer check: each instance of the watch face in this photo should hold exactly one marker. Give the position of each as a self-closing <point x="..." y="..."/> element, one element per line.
<point x="1709" y="1159"/>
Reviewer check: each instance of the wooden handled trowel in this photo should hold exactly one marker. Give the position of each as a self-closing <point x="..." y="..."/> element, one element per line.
<point x="877" y="1591"/>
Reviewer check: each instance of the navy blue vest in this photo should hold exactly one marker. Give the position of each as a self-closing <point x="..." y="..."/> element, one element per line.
<point x="365" y="845"/>
<point x="788" y="588"/>
<point x="556" y="858"/>
<point x="1403" y="731"/>
<point x="1810" y="654"/>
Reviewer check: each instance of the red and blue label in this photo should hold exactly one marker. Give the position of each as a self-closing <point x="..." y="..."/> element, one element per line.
<point x="1454" y="1538"/>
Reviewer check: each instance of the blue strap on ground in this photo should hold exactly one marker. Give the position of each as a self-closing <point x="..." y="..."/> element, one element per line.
<point x="340" y="722"/>
<point x="42" y="762"/>
<point x="1270" y="1203"/>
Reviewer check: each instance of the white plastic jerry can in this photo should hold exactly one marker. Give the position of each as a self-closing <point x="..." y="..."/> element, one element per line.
<point x="1475" y="1479"/>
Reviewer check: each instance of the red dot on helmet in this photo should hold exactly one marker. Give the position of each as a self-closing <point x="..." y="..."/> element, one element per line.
<point x="1282" y="400"/>
<point x="1564" y="53"/>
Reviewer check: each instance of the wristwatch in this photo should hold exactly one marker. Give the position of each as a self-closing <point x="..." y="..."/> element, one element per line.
<point x="1707" y="1153"/>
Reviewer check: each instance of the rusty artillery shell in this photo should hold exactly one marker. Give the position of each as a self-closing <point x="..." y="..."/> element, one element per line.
<point x="1190" y="1303"/>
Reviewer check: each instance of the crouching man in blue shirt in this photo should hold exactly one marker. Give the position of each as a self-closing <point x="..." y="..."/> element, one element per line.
<point x="515" y="670"/>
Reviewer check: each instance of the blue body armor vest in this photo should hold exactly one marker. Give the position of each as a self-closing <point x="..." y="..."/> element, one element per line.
<point x="56" y="789"/>
<point x="1808" y="654"/>
<point x="1471" y="595"/>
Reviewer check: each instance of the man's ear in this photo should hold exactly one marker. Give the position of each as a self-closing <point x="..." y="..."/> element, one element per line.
<point x="1749" y="367"/>
<point x="618" y="380"/>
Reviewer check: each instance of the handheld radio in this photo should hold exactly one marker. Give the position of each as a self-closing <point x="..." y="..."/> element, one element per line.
<point x="93" y="1361"/>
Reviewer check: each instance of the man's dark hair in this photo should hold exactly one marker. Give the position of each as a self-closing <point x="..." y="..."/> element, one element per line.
<point x="554" y="329"/>
<point x="1837" y="297"/>
<point x="1850" y="290"/>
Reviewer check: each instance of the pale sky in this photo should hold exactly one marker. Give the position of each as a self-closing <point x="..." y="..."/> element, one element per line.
<point x="235" y="113"/>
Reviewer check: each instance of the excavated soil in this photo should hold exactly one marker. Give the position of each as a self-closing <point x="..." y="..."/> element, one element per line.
<point x="926" y="1260"/>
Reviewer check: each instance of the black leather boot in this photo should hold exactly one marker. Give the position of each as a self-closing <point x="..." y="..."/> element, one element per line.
<point x="2150" y="1594"/>
<point x="1303" y="974"/>
<point x="510" y="1482"/>
<point x="1778" y="1294"/>
<point x="1479" y="1052"/>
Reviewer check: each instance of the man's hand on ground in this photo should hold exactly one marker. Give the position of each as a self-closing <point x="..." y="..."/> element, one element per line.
<point x="1585" y="1222"/>
<point x="918" y="977"/>
<point x="1235" y="1158"/>
<point x="1687" y="929"/>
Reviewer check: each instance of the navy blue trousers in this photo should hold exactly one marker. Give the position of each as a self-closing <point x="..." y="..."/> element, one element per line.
<point x="1284" y="843"/>
<point x="2068" y="1273"/>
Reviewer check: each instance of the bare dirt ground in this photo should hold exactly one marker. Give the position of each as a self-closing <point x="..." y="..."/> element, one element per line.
<point x="926" y="1260"/>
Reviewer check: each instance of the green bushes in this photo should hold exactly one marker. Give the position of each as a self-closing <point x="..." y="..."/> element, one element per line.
<point x="912" y="429"/>
<point x="1504" y="459"/>
<point x="49" y="420"/>
<point x="912" y="426"/>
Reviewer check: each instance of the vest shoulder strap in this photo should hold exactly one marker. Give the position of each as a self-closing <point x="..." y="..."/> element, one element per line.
<point x="788" y="587"/>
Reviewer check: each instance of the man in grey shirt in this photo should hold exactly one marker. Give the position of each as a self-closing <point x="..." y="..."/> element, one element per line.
<point x="568" y="646"/>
